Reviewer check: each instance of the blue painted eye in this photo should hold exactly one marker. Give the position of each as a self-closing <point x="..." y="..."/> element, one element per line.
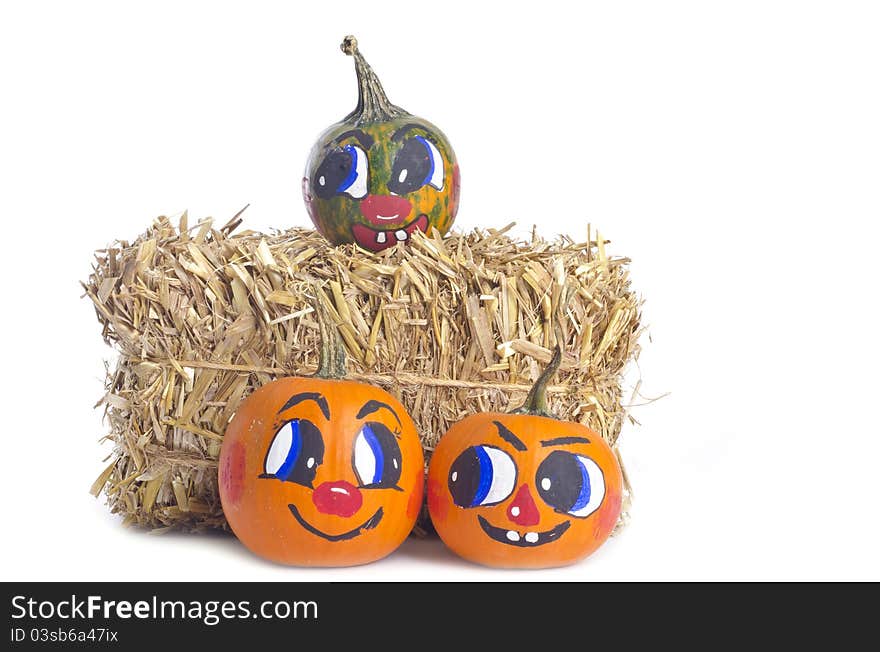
<point x="342" y="171"/>
<point x="481" y="475"/>
<point x="296" y="451"/>
<point x="570" y="484"/>
<point x="376" y="457"/>
<point x="417" y="164"/>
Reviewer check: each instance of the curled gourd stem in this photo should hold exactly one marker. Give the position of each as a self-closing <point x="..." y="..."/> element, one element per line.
<point x="331" y="364"/>
<point x="373" y="104"/>
<point x="536" y="401"/>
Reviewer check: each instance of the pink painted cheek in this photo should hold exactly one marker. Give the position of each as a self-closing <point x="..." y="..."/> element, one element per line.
<point x="608" y="516"/>
<point x="438" y="503"/>
<point x="414" y="504"/>
<point x="310" y="201"/>
<point x="232" y="473"/>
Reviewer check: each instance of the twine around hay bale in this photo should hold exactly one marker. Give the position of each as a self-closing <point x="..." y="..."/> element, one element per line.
<point x="200" y="317"/>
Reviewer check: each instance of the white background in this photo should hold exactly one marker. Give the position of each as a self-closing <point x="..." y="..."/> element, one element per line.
<point x="732" y="150"/>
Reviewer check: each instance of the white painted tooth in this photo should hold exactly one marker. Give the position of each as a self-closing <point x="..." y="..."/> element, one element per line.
<point x="401" y="235"/>
<point x="513" y="536"/>
<point x="531" y="537"/>
<point x="380" y="237"/>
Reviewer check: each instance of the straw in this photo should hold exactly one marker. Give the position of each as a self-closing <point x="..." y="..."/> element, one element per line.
<point x="200" y="317"/>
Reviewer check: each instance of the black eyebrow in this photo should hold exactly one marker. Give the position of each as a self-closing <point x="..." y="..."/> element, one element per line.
<point x="363" y="137"/>
<point x="559" y="441"/>
<point x="308" y="396"/>
<point x="400" y="133"/>
<point x="509" y="437"/>
<point x="371" y="406"/>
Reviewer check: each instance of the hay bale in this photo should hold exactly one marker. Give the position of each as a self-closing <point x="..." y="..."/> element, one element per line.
<point x="200" y="317"/>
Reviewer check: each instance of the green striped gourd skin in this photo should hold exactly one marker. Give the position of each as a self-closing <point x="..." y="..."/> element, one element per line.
<point x="336" y="218"/>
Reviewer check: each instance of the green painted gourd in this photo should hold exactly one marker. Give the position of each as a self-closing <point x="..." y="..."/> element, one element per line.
<point x="380" y="173"/>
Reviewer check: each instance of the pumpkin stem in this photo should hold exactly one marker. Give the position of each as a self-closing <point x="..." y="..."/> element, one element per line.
<point x="536" y="401"/>
<point x="373" y="104"/>
<point x="331" y="364"/>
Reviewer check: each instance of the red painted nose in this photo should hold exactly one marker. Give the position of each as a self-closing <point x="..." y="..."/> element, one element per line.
<point x="385" y="211"/>
<point x="340" y="498"/>
<point x="523" y="510"/>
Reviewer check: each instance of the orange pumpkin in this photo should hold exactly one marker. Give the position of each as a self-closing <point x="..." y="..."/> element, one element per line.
<point x="321" y="471"/>
<point x="524" y="490"/>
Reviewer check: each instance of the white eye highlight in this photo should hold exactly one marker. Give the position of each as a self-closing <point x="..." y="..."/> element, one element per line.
<point x="364" y="459"/>
<point x="503" y="476"/>
<point x="570" y="483"/>
<point x="377" y="458"/>
<point x="589" y="500"/>
<point x="282" y="452"/>
<point x="355" y="184"/>
<point x="437" y="174"/>
<point x="482" y="475"/>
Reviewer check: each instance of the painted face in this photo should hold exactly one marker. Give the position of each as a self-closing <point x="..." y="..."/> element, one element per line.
<point x="321" y="472"/>
<point x="523" y="491"/>
<point x="377" y="183"/>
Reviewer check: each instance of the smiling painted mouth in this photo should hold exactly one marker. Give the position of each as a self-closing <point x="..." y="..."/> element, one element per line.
<point x="374" y="239"/>
<point x="369" y="524"/>
<point x="527" y="540"/>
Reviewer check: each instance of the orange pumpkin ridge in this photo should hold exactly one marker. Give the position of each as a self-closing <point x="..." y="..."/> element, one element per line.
<point x="321" y="471"/>
<point x="524" y="489"/>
